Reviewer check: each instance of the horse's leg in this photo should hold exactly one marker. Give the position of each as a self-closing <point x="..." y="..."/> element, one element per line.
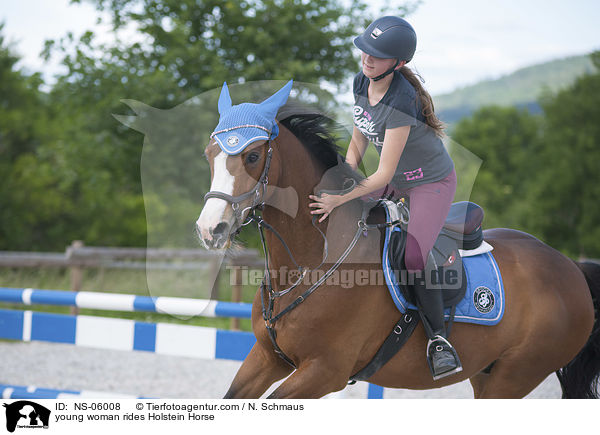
<point x="312" y="380"/>
<point x="478" y="382"/>
<point x="512" y="377"/>
<point x="258" y="372"/>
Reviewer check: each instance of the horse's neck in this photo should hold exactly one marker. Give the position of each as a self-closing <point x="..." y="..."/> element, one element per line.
<point x="288" y="213"/>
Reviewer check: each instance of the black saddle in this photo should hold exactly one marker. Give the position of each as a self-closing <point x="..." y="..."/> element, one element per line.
<point x="463" y="224"/>
<point x="462" y="230"/>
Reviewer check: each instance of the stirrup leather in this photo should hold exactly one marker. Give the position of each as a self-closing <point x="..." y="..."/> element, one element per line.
<point x="398" y="212"/>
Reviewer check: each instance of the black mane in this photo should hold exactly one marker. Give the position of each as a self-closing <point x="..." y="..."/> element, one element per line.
<point x="317" y="133"/>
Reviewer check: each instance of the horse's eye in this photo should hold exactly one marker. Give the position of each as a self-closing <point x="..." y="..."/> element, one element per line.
<point x="252" y="157"/>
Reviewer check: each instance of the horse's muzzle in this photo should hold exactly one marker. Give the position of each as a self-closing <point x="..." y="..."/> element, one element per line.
<point x="216" y="237"/>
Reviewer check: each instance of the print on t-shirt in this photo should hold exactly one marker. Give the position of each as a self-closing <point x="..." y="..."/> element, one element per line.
<point x="365" y="123"/>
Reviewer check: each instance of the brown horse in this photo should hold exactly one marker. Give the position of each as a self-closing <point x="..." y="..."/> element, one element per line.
<point x="548" y="324"/>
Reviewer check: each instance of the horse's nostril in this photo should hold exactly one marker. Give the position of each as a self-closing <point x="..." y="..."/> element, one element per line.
<point x="220" y="229"/>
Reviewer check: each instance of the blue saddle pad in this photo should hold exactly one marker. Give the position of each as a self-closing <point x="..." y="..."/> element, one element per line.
<point x="483" y="303"/>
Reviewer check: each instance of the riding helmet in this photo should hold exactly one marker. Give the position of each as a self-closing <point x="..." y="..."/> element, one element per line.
<point x="388" y="38"/>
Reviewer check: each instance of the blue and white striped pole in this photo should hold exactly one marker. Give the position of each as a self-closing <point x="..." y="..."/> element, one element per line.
<point x="126" y="302"/>
<point x="124" y="334"/>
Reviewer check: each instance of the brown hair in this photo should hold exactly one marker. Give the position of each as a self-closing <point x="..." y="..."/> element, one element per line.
<point x="426" y="102"/>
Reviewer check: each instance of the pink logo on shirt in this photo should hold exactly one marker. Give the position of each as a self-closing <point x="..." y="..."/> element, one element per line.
<point x="414" y="175"/>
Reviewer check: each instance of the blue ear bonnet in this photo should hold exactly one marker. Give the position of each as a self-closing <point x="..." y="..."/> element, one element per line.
<point x="245" y="123"/>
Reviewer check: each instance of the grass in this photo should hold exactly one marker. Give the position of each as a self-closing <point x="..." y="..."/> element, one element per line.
<point x="181" y="283"/>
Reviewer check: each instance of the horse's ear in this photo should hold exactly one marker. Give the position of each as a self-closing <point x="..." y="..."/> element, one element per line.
<point x="271" y="105"/>
<point x="224" y="99"/>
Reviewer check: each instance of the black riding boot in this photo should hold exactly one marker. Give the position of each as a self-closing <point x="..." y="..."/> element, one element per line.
<point x="441" y="356"/>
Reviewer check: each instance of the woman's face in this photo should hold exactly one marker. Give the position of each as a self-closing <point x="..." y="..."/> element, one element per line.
<point x="373" y="66"/>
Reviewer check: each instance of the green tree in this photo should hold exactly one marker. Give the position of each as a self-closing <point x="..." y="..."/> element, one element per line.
<point x="59" y="182"/>
<point x="507" y="140"/>
<point x="72" y="171"/>
<point x="181" y="49"/>
<point x="24" y="127"/>
<point x="567" y="191"/>
<point x="21" y="105"/>
<point x="201" y="43"/>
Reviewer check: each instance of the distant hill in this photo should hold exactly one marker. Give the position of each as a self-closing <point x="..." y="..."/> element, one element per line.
<point x="521" y="88"/>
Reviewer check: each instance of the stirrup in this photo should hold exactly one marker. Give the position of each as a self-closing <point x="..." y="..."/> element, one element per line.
<point x="445" y="345"/>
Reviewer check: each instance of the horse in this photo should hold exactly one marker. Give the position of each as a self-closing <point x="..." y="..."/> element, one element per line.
<point x="319" y="342"/>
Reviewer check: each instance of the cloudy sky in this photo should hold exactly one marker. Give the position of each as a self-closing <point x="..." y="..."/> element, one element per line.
<point x="460" y="41"/>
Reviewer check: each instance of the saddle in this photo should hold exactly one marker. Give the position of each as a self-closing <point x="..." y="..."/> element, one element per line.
<point x="461" y="232"/>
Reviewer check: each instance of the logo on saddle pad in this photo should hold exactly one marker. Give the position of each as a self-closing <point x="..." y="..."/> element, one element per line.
<point x="483" y="299"/>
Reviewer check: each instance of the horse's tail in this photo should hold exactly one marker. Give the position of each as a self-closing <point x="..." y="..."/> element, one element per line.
<point x="579" y="378"/>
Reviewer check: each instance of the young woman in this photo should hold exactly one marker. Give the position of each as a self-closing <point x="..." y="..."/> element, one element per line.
<point x="395" y="113"/>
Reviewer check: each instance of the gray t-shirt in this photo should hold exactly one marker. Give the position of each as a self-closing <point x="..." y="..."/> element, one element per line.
<point x="424" y="159"/>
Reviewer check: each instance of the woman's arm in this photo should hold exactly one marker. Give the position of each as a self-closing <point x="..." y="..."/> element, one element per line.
<point x="393" y="146"/>
<point x="356" y="149"/>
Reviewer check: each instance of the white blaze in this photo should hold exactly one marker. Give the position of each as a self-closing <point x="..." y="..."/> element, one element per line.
<point x="214" y="208"/>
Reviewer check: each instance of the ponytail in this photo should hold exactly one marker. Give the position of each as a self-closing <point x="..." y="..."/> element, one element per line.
<point x="426" y="102"/>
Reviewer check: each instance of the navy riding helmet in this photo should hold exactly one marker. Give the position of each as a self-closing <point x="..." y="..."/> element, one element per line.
<point x="388" y="38"/>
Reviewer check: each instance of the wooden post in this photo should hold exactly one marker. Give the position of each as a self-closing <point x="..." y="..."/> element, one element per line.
<point x="76" y="273"/>
<point x="215" y="277"/>
<point x="236" y="294"/>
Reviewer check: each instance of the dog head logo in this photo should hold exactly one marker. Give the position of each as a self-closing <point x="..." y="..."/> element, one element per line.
<point x="25" y="413"/>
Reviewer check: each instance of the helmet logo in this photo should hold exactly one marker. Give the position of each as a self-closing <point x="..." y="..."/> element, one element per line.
<point x="376" y="32"/>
